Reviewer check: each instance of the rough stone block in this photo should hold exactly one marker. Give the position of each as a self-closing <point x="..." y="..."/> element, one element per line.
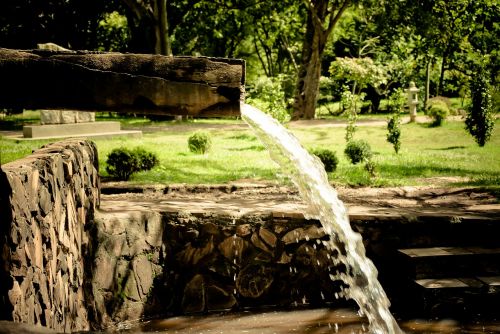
<point x="67" y="117"/>
<point x="84" y="117"/>
<point x="154" y="84"/>
<point x="39" y="222"/>
<point x="50" y="117"/>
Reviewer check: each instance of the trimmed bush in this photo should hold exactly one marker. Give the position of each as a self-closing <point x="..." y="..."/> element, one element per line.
<point x="439" y="100"/>
<point x="438" y="112"/>
<point x="200" y="142"/>
<point x="358" y="151"/>
<point x="123" y="162"/>
<point x="147" y="160"/>
<point x="480" y="118"/>
<point x="327" y="157"/>
<point x="394" y="132"/>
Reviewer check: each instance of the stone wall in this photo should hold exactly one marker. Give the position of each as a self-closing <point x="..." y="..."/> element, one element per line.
<point x="47" y="200"/>
<point x="150" y="264"/>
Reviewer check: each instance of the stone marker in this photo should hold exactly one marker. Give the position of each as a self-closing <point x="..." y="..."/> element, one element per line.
<point x="62" y="116"/>
<point x="139" y="83"/>
<point x="65" y="117"/>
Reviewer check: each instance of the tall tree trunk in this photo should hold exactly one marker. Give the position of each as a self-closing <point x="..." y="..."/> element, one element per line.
<point x="321" y="19"/>
<point x="309" y="74"/>
<point x="427" y="83"/>
<point x="162" y="45"/>
<point x="441" y="76"/>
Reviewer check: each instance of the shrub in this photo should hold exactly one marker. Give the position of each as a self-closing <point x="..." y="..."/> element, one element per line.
<point x="147" y="160"/>
<point x="442" y="100"/>
<point x="123" y="162"/>
<point x="394" y="131"/>
<point x="358" y="151"/>
<point x="200" y="142"/>
<point x="480" y="119"/>
<point x="371" y="168"/>
<point x="438" y="112"/>
<point x="268" y="94"/>
<point x="327" y="157"/>
<point x="438" y="100"/>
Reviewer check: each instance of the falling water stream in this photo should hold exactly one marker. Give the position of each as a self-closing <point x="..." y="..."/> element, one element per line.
<point x="308" y="174"/>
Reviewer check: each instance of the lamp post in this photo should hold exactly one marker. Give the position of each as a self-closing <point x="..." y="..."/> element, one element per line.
<point x="412" y="92"/>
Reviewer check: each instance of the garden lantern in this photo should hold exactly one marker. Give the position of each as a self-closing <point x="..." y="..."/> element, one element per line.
<point x="412" y="92"/>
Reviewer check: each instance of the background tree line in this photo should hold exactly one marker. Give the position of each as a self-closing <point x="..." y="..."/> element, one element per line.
<point x="298" y="53"/>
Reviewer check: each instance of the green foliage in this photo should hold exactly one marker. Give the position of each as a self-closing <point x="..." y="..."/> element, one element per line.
<point x="438" y="112"/>
<point x="351" y="104"/>
<point x="113" y="32"/>
<point x="440" y="100"/>
<point x="327" y="157"/>
<point x="394" y="131"/>
<point x="479" y="120"/>
<point x="200" y="142"/>
<point x="397" y="101"/>
<point x="358" y="151"/>
<point x="362" y="71"/>
<point x="147" y="160"/>
<point x="123" y="162"/>
<point x="268" y="95"/>
<point x="371" y="168"/>
<point x="71" y="24"/>
<point x="329" y="92"/>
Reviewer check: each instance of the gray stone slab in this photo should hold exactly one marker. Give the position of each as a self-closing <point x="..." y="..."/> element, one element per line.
<point x="65" y="130"/>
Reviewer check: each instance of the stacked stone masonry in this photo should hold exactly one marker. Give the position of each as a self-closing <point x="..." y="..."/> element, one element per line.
<point x="47" y="200"/>
<point x="156" y="264"/>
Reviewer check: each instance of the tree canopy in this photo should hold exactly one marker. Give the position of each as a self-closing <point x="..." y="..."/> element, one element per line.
<point x="371" y="47"/>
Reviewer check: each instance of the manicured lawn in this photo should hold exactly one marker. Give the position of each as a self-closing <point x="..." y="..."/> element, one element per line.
<point x="426" y="152"/>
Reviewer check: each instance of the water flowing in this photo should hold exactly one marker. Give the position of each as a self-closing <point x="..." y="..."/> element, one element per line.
<point x="308" y="174"/>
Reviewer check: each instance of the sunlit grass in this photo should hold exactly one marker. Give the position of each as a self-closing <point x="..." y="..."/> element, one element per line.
<point x="235" y="155"/>
<point x="426" y="153"/>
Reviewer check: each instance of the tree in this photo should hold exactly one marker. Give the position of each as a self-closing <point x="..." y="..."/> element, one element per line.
<point x="447" y="33"/>
<point x="322" y="16"/>
<point x="149" y="20"/>
<point x="71" y="24"/>
<point x="113" y="33"/>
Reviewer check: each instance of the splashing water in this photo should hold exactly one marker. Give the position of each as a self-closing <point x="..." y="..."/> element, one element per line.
<point x="308" y="174"/>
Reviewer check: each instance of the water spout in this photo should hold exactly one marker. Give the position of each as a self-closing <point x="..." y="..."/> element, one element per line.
<point x="308" y="174"/>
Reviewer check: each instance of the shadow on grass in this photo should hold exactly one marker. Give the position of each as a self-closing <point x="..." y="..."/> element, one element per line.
<point x="434" y="170"/>
<point x="448" y="148"/>
<point x="190" y="173"/>
<point x="243" y="137"/>
<point x="257" y="148"/>
<point x="474" y="178"/>
<point x="11" y="125"/>
<point x="430" y="125"/>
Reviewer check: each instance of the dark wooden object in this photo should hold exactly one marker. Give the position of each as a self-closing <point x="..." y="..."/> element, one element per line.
<point x="139" y="83"/>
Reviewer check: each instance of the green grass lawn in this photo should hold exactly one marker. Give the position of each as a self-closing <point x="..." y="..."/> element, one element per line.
<point x="426" y="152"/>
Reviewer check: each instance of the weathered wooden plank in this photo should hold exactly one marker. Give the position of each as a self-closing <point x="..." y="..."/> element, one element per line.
<point x="139" y="83"/>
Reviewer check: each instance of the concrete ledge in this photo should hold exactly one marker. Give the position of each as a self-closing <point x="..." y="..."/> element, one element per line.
<point x="73" y="129"/>
<point x="86" y="130"/>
